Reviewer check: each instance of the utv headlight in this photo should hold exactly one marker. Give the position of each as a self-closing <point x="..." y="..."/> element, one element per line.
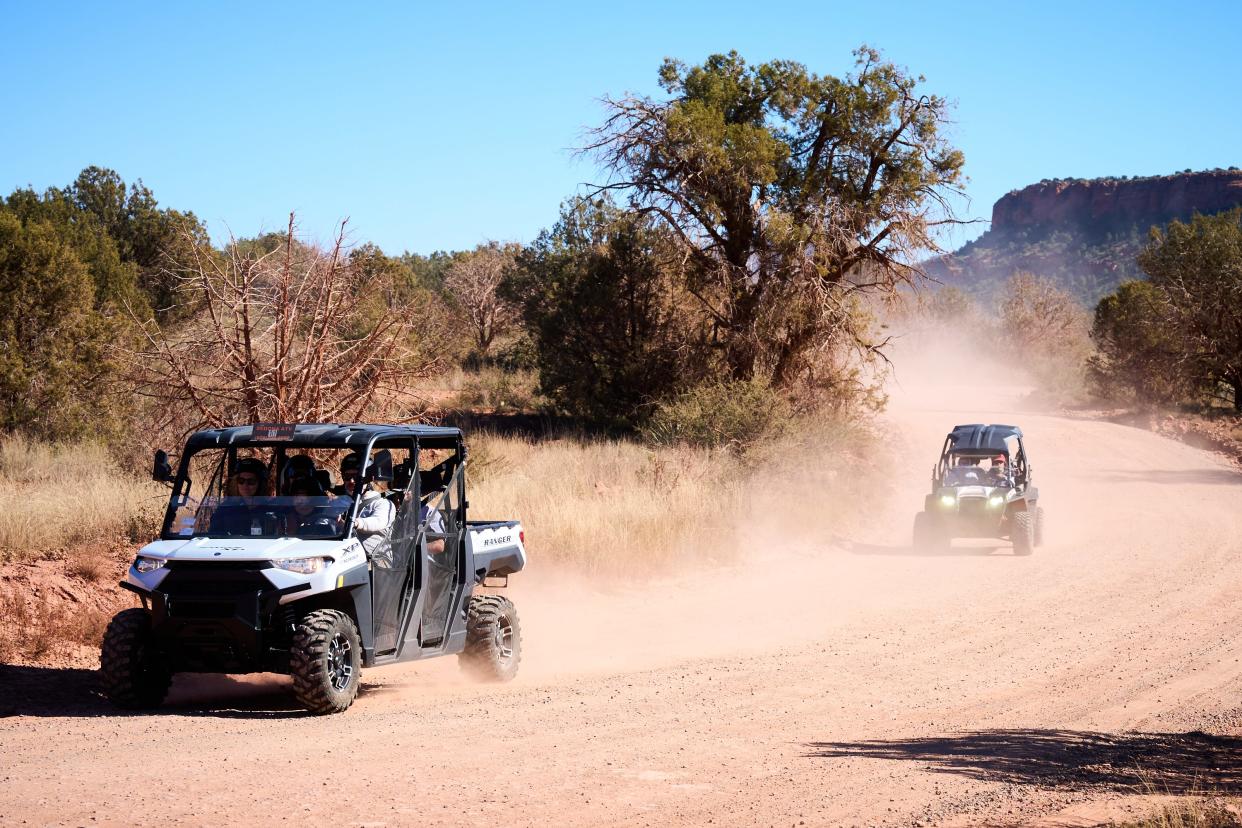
<point x="145" y="565"/>
<point x="996" y="500"/>
<point x="947" y="500"/>
<point x="302" y="566"/>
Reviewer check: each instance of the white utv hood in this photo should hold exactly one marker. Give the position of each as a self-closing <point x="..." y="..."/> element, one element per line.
<point x="338" y="556"/>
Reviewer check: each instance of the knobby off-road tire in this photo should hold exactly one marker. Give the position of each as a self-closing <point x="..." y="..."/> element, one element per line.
<point x="493" y="639"/>
<point x="132" y="676"/>
<point x="1039" y="525"/>
<point x="929" y="533"/>
<point x="325" y="661"/>
<point x="1022" y="533"/>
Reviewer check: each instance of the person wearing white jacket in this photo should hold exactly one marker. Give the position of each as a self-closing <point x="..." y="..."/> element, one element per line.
<point x="375" y="516"/>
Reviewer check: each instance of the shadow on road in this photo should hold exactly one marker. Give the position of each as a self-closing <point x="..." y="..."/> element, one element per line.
<point x="69" y="692"/>
<point x="1172" y="763"/>
<point x="857" y="548"/>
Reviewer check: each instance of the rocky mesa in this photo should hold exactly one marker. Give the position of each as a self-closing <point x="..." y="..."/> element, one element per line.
<point x="1082" y="233"/>
<point x="1102" y="205"/>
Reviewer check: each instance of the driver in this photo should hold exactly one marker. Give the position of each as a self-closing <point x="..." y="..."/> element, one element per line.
<point x="998" y="474"/>
<point x="240" y="512"/>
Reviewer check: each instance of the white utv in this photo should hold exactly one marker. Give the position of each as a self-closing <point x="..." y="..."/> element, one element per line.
<point x="261" y="564"/>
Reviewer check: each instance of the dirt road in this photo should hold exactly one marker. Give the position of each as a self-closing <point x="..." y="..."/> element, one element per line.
<point x="830" y="678"/>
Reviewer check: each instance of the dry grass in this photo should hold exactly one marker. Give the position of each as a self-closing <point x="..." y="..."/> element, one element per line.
<point x="590" y="505"/>
<point x="38" y="629"/>
<point x="57" y="497"/>
<point x="605" y="505"/>
<point x="484" y="389"/>
<point x="1193" y="813"/>
<point x="621" y="508"/>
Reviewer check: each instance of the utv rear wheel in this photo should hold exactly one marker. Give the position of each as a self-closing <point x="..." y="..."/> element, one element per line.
<point x="325" y="661"/>
<point x="1022" y="533"/>
<point x="132" y="675"/>
<point x="1039" y="525"/>
<point x="493" y="639"/>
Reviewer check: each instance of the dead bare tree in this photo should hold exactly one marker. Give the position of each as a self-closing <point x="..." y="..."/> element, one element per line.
<point x="294" y="334"/>
<point x="474" y="281"/>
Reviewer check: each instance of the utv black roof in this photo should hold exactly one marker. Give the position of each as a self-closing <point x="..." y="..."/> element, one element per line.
<point x="980" y="439"/>
<point x="326" y="435"/>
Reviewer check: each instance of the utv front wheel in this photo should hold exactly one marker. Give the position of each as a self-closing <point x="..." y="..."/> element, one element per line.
<point x="325" y="661"/>
<point x="132" y="675"/>
<point x="1022" y="533"/>
<point x="1039" y="525"/>
<point x="929" y="532"/>
<point x="493" y="639"/>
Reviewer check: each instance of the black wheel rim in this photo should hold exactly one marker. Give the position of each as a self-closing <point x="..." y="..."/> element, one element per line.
<point x="340" y="661"/>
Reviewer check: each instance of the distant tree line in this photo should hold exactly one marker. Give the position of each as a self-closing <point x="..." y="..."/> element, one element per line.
<point x="1176" y="337"/>
<point x="749" y="217"/>
<point x="1173" y="338"/>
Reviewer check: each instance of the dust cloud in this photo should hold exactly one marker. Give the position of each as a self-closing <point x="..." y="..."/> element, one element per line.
<point x="816" y="522"/>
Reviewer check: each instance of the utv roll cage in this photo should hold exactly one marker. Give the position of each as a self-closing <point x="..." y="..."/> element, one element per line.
<point x="977" y="441"/>
<point x="359" y="437"/>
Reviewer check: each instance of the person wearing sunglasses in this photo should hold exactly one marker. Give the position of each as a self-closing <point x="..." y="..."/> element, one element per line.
<point x="240" y="509"/>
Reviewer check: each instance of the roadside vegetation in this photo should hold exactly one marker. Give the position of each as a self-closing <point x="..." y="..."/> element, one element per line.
<point x="1193" y="813"/>
<point x="709" y="308"/>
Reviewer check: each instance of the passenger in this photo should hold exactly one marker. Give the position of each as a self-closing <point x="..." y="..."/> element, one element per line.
<point x="309" y="518"/>
<point x="968" y="471"/>
<point x="375" y="516"/>
<point x="298" y="467"/>
<point x="434" y="520"/>
<point x="351" y="464"/>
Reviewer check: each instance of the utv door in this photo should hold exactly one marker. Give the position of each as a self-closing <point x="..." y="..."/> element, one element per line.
<point x="443" y="568"/>
<point x="395" y="574"/>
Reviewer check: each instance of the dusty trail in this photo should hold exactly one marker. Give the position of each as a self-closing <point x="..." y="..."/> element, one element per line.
<point x="840" y="680"/>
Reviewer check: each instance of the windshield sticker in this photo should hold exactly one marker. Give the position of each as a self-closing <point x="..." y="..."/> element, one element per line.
<point x="272" y="431"/>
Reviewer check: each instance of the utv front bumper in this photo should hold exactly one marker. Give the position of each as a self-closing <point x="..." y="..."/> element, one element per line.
<point x="972" y="516"/>
<point x="220" y="617"/>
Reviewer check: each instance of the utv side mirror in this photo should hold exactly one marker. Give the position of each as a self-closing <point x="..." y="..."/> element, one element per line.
<point x="162" y="471"/>
<point x="380" y="467"/>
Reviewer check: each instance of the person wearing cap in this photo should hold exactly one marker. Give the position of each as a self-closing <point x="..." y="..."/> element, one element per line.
<point x="375" y="512"/>
<point x="998" y="474"/>
<point x="351" y="464"/>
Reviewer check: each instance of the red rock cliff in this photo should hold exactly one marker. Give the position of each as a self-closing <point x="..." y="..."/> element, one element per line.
<point x="1120" y="203"/>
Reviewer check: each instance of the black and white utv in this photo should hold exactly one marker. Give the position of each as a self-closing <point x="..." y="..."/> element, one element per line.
<point x="982" y="487"/>
<point x="263" y="565"/>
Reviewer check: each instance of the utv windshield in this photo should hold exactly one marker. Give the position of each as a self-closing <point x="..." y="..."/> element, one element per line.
<point x="261" y="493"/>
<point x="978" y="471"/>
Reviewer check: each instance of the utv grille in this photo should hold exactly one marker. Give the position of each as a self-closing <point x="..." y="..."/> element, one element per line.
<point x="215" y="580"/>
<point x="190" y="608"/>
<point x="972" y="506"/>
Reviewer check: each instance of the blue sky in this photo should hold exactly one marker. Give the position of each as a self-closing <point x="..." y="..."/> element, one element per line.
<point x="437" y="126"/>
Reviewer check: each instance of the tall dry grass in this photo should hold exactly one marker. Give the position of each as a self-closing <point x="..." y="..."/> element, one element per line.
<point x="596" y="505"/>
<point x="54" y="497"/>
<point x="1197" y="812"/>
<point x="592" y="505"/>
<point x="620" y="507"/>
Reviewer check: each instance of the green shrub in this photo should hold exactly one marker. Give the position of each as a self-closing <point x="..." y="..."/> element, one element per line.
<point x="732" y="414"/>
